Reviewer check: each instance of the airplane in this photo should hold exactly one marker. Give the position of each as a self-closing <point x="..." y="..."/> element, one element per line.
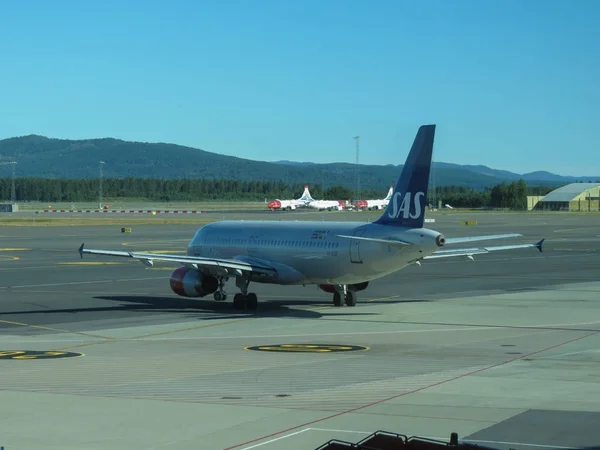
<point x="328" y="205"/>
<point x="375" y="204"/>
<point x="341" y="258"/>
<point x="291" y="204"/>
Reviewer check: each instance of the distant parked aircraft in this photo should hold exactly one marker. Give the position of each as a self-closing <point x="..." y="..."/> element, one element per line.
<point x="375" y="204"/>
<point x="291" y="204"/>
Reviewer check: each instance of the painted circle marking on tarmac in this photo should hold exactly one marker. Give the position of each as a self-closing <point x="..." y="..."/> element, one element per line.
<point x="307" y="348"/>
<point x="33" y="354"/>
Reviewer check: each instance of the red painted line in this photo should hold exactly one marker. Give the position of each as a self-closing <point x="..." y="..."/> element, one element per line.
<point x="377" y="402"/>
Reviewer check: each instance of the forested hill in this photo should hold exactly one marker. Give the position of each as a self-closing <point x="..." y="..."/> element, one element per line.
<point x="39" y="156"/>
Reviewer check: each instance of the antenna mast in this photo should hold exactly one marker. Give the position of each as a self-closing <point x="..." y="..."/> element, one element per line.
<point x="357" y="193"/>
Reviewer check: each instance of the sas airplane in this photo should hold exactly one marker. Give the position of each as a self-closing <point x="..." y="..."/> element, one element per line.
<point x="342" y="258"/>
<point x="291" y="204"/>
<point x="375" y="204"/>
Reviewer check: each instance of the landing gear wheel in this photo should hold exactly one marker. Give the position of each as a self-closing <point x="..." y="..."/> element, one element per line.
<point x="350" y="298"/>
<point x="239" y="301"/>
<point x="337" y="299"/>
<point x="220" y="296"/>
<point x="251" y="301"/>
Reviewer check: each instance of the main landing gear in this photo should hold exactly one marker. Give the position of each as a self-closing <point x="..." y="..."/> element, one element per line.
<point x="242" y="300"/>
<point x="220" y="295"/>
<point x="342" y="292"/>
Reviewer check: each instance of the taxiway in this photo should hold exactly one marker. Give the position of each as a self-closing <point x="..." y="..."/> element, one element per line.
<point x="502" y="350"/>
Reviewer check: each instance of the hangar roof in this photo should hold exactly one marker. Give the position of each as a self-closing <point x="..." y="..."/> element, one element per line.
<point x="568" y="192"/>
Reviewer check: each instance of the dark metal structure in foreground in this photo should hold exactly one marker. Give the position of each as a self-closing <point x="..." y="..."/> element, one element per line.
<point x="383" y="440"/>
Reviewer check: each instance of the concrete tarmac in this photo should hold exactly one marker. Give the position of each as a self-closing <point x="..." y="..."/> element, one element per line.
<point x="502" y="350"/>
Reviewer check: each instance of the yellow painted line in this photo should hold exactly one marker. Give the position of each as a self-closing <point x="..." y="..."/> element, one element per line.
<point x="9" y="258"/>
<point x="90" y="263"/>
<point x="41" y="327"/>
<point x="383" y="298"/>
<point x="160" y="268"/>
<point x="11" y="249"/>
<point x="568" y="230"/>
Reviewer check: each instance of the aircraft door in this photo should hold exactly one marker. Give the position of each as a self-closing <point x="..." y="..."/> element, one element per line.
<point x="355" y="248"/>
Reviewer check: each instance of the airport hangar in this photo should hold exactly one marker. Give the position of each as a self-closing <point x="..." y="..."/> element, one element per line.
<point x="572" y="197"/>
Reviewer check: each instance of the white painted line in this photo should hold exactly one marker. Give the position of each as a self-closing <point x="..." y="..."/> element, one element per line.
<point x="350" y="333"/>
<point x="570" y="353"/>
<point x="340" y="431"/>
<point x="285" y="436"/>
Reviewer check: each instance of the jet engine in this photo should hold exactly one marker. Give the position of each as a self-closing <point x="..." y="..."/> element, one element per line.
<point x="191" y="283"/>
<point x="353" y="287"/>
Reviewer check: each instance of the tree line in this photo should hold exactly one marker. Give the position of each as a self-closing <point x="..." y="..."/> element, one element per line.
<point x="504" y="195"/>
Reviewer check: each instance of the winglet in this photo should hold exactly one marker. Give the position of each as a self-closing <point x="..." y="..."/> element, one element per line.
<point x="81" y="251"/>
<point x="539" y="245"/>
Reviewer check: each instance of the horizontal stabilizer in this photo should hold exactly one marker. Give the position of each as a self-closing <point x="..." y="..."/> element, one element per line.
<point x="461" y="240"/>
<point x="379" y="241"/>
<point x="469" y="252"/>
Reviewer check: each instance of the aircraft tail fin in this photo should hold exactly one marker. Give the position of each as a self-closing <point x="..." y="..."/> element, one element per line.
<point x="407" y="204"/>
<point x="389" y="194"/>
<point x="306" y="195"/>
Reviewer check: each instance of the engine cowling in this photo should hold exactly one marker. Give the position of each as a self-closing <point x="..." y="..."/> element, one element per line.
<point x="191" y="283"/>
<point x="353" y="287"/>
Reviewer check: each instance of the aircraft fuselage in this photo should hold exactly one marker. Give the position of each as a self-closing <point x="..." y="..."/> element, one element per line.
<point x="311" y="252"/>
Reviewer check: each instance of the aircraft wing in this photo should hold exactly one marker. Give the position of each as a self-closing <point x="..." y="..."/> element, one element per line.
<point x="469" y="252"/>
<point x="194" y="262"/>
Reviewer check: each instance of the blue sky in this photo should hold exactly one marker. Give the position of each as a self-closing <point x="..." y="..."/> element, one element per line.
<point x="512" y="84"/>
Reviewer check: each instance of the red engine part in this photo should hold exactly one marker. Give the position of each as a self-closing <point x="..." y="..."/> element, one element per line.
<point x="275" y="204"/>
<point x="362" y="204"/>
<point x="191" y="283"/>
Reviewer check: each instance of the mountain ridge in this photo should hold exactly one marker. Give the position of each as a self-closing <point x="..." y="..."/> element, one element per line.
<point x="47" y="157"/>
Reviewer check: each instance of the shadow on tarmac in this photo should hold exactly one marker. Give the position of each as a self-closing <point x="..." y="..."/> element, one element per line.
<point x="210" y="309"/>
